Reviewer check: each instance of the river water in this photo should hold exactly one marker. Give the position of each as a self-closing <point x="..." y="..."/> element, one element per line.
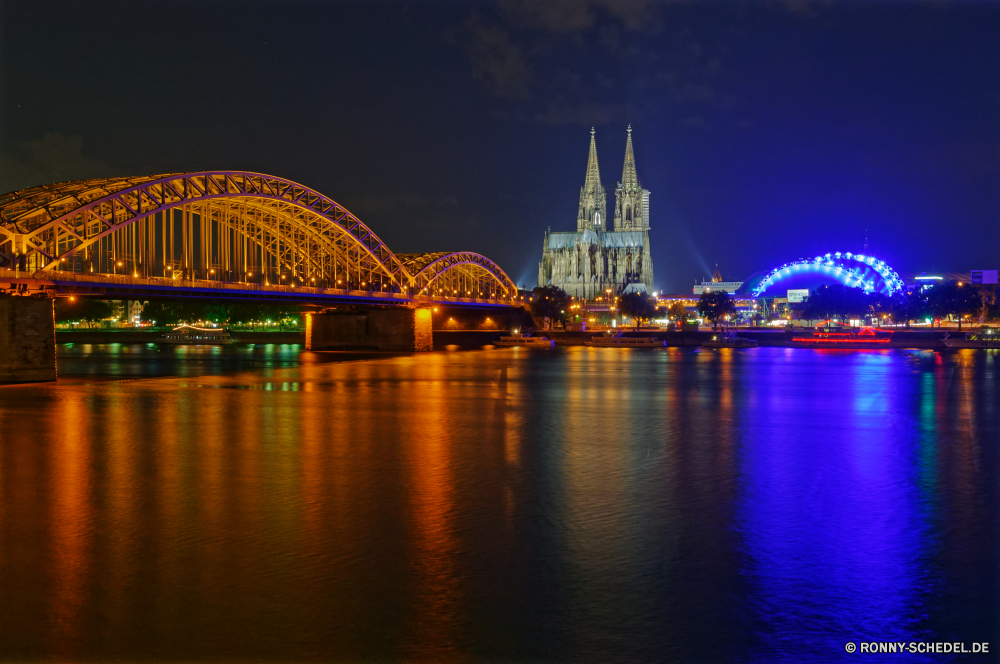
<point x="502" y="505"/>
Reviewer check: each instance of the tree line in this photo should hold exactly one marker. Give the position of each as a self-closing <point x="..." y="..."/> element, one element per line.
<point x="550" y="305"/>
<point x="937" y="302"/>
<point x="168" y="313"/>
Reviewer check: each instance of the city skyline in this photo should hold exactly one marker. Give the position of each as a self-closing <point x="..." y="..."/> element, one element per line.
<point x="277" y="383"/>
<point x="766" y="133"/>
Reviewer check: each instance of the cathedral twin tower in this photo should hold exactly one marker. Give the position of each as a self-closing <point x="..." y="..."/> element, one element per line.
<point x="593" y="260"/>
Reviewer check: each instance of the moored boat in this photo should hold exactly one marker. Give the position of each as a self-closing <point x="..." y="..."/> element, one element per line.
<point x="518" y="339"/>
<point x="729" y="339"/>
<point x="984" y="337"/>
<point x="833" y="335"/>
<point x="189" y="334"/>
<point x="619" y="341"/>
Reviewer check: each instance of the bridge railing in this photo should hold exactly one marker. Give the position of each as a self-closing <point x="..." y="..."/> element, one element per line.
<point x="56" y="277"/>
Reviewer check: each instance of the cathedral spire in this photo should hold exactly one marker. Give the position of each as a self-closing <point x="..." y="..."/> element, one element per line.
<point x="593" y="201"/>
<point x="631" y="200"/>
<point x="593" y="180"/>
<point x="630" y="181"/>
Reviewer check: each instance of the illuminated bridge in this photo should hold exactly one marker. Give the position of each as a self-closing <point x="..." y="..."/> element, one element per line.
<point x="223" y="235"/>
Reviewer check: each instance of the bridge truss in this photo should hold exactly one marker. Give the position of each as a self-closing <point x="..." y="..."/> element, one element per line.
<point x="227" y="227"/>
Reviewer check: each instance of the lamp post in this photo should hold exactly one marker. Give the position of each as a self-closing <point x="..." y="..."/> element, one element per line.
<point x="611" y="308"/>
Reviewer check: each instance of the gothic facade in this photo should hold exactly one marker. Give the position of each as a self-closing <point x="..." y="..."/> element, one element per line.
<point x="594" y="259"/>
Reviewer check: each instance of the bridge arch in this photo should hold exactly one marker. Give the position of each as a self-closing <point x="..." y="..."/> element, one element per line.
<point x="220" y="225"/>
<point x="854" y="270"/>
<point x="462" y="273"/>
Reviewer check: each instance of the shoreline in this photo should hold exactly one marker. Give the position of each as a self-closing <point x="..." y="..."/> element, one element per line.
<point x="153" y="336"/>
<point x="901" y="339"/>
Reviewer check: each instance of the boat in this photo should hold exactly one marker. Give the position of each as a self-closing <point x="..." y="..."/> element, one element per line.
<point x="620" y="341"/>
<point x="518" y="339"/>
<point x="189" y="334"/>
<point x="984" y="337"/>
<point x="728" y="339"/>
<point x="834" y="335"/>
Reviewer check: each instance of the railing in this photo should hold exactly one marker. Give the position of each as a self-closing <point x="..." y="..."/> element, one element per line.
<point x="126" y="280"/>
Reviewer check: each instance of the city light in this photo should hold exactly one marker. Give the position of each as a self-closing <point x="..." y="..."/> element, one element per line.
<point x="851" y="276"/>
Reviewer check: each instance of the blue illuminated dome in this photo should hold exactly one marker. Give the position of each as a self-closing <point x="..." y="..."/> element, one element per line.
<point x="853" y="270"/>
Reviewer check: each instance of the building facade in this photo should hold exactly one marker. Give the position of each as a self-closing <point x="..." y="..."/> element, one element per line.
<point x="717" y="284"/>
<point x="594" y="259"/>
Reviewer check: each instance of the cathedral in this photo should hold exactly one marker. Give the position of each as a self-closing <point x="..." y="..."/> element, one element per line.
<point x="595" y="258"/>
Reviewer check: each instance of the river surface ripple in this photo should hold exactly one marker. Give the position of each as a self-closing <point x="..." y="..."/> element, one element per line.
<point x="576" y="505"/>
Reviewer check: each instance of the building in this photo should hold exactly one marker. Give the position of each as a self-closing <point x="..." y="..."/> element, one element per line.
<point x="594" y="259"/>
<point x="717" y="284"/>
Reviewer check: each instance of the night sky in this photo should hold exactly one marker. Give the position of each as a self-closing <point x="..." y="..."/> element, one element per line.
<point x="765" y="131"/>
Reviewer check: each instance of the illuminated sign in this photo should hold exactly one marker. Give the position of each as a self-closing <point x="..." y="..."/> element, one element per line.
<point x="984" y="276"/>
<point x="798" y="295"/>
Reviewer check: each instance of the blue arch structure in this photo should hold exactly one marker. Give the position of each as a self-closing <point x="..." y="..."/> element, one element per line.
<point x="854" y="270"/>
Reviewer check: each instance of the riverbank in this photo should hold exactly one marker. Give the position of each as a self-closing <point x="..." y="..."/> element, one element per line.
<point x="442" y="338"/>
<point x="153" y="336"/>
<point x="915" y="339"/>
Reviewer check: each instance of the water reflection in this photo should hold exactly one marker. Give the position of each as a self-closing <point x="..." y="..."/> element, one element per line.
<point x="588" y="504"/>
<point x="72" y="521"/>
<point x="434" y="620"/>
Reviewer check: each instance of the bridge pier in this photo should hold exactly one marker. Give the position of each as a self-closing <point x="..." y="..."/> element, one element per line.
<point x="399" y="329"/>
<point x="27" y="340"/>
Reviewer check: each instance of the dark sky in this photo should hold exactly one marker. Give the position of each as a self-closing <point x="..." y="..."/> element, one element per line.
<point x="765" y="131"/>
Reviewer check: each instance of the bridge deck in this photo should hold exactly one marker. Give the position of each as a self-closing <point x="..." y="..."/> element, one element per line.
<point x="116" y="286"/>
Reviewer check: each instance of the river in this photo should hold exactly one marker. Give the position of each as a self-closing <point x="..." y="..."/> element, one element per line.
<point x="503" y="505"/>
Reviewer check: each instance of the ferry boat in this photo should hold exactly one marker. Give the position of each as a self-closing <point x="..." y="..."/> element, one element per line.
<point x="518" y="339"/>
<point x="189" y="334"/>
<point x="619" y="341"/>
<point x="834" y="335"/>
<point x="985" y="337"/>
<point x="728" y="339"/>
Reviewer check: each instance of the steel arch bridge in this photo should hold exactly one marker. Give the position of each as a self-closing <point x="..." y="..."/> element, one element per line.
<point x="855" y="270"/>
<point x="241" y="231"/>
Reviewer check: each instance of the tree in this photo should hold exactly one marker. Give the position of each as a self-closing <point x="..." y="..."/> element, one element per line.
<point x="906" y="306"/>
<point x="951" y="299"/>
<point x="715" y="306"/>
<point x="677" y="311"/>
<point x="548" y="305"/>
<point x="836" y="301"/>
<point x="172" y="312"/>
<point x="82" y="309"/>
<point x="157" y="311"/>
<point x="879" y="305"/>
<point x="992" y="307"/>
<point x="637" y="306"/>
